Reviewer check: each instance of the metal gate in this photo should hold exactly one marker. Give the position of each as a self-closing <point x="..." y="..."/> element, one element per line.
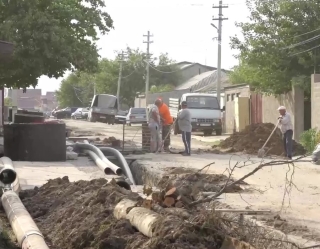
<point x="255" y="108"/>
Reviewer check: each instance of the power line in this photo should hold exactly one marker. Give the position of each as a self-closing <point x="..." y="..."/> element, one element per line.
<point x="303" y="42"/>
<point x="163" y="71"/>
<point x="220" y="19"/>
<point x="120" y="75"/>
<point x="147" y="66"/>
<point x="307" y="50"/>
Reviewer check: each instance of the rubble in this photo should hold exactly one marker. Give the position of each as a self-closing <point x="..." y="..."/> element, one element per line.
<point x="252" y="138"/>
<point x="80" y="215"/>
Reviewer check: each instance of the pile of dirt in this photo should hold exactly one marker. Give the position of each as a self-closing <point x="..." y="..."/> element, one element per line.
<point x="80" y="216"/>
<point x="191" y="182"/>
<point x="252" y="138"/>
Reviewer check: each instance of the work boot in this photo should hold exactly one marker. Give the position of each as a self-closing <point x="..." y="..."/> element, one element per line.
<point x="185" y="154"/>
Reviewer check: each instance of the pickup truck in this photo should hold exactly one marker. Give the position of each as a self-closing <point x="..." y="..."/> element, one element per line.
<point x="205" y="112"/>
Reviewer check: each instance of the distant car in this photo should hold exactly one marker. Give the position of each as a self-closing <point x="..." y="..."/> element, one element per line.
<point x="121" y="117"/>
<point x="65" y="113"/>
<point x="80" y="113"/>
<point x="136" y="116"/>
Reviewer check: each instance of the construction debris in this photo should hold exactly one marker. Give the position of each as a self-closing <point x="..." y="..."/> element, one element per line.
<point x="107" y="216"/>
<point x="252" y="138"/>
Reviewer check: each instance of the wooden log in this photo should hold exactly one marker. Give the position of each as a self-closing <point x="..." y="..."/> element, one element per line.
<point x="144" y="220"/>
<point x="180" y="212"/>
<point x="171" y="192"/>
<point x="178" y="204"/>
<point x="232" y="243"/>
<point x="169" y="201"/>
<point x="121" y="209"/>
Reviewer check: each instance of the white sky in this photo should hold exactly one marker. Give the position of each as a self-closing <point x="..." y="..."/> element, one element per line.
<point x="179" y="27"/>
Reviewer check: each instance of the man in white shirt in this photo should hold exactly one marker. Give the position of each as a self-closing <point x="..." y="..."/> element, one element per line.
<point x="286" y="127"/>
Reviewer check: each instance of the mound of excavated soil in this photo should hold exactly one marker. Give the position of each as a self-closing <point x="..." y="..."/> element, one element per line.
<point x="80" y="216"/>
<point x="252" y="138"/>
<point x="191" y="182"/>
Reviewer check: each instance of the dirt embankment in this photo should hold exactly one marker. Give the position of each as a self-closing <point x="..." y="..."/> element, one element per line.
<point x="80" y="216"/>
<point x="252" y="138"/>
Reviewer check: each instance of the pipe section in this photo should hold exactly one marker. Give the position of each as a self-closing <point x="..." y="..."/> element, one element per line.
<point x="87" y="146"/>
<point x="122" y="161"/>
<point x="11" y="177"/>
<point x="99" y="162"/>
<point x="25" y="229"/>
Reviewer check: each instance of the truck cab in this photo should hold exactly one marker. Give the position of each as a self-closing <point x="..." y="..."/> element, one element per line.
<point x="205" y="112"/>
<point x="104" y="108"/>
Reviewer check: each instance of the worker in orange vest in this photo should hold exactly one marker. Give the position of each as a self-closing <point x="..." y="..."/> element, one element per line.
<point x="167" y="121"/>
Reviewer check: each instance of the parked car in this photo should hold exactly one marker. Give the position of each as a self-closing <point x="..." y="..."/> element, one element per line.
<point x="121" y="117"/>
<point x="80" y="113"/>
<point x="65" y="113"/>
<point x="136" y="116"/>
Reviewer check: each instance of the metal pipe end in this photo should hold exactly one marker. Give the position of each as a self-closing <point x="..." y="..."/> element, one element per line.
<point x="7" y="176"/>
<point x="108" y="171"/>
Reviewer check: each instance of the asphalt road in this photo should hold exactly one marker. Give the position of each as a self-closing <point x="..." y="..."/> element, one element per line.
<point x="133" y="133"/>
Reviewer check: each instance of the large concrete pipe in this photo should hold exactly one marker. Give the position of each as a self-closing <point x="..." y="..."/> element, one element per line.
<point x="25" y="229"/>
<point x="86" y="146"/>
<point x="8" y="174"/>
<point x="121" y="160"/>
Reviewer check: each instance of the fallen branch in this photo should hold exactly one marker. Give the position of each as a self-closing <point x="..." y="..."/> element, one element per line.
<point x="227" y="186"/>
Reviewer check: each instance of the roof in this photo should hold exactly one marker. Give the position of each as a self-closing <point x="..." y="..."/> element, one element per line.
<point x="206" y="81"/>
<point x="237" y="86"/>
<point x="186" y="64"/>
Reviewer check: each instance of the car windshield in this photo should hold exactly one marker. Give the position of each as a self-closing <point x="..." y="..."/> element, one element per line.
<point x="203" y="102"/>
<point x="84" y="109"/>
<point x="138" y="111"/>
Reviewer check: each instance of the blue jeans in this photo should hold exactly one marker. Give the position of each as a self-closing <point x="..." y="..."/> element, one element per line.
<point x="287" y="142"/>
<point x="186" y="138"/>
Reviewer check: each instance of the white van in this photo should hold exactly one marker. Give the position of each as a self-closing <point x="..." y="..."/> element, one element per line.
<point x="205" y="112"/>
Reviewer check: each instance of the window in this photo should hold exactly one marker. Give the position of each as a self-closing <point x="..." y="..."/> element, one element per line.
<point x="203" y="102"/>
<point x="228" y="97"/>
<point x="232" y="97"/>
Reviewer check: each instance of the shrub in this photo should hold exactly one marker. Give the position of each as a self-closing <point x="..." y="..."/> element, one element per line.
<point x="309" y="139"/>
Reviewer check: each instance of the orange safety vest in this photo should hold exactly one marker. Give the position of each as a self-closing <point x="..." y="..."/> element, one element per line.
<point x="165" y="114"/>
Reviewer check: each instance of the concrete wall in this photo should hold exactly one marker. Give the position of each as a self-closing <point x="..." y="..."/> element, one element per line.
<point x="293" y="101"/>
<point x="315" y="101"/>
<point x="230" y="95"/>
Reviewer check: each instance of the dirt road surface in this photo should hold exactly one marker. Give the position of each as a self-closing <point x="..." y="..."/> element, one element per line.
<point x="133" y="133"/>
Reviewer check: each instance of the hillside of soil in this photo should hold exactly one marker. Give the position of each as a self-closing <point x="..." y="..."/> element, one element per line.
<point x="252" y="138"/>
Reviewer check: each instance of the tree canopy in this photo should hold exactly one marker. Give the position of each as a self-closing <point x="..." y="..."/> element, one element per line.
<point x="77" y="89"/>
<point x="280" y="45"/>
<point x="50" y="37"/>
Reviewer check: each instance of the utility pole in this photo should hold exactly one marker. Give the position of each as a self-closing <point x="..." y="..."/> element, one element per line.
<point x="220" y="19"/>
<point x="120" y="76"/>
<point x="147" y="66"/>
<point x="94" y="88"/>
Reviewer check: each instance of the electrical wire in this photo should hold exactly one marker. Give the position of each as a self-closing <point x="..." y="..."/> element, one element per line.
<point x="302" y="43"/>
<point x="163" y="71"/>
<point x="307" y="50"/>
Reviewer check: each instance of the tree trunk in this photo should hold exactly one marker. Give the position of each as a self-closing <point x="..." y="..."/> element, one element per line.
<point x="141" y="218"/>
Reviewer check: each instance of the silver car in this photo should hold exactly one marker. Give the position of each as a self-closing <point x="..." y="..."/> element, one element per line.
<point x="136" y="116"/>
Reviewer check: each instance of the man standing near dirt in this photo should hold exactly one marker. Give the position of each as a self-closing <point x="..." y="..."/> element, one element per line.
<point x="184" y="122"/>
<point x="286" y="128"/>
<point x="167" y="121"/>
<point x="154" y="127"/>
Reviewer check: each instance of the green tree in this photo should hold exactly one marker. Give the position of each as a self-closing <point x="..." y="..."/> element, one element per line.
<point x="279" y="45"/>
<point x="164" y="75"/>
<point x="76" y="90"/>
<point x="163" y="72"/>
<point x="7" y="102"/>
<point x="50" y="37"/>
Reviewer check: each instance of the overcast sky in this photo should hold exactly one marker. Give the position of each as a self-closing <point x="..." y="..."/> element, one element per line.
<point x="179" y="27"/>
